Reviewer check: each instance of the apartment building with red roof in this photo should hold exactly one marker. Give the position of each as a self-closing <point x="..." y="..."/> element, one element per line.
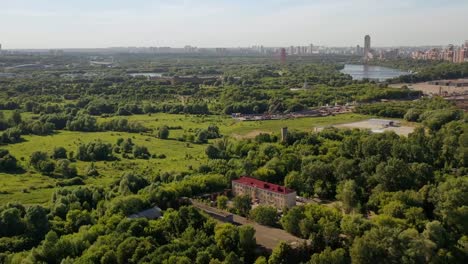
<point x="264" y="192"/>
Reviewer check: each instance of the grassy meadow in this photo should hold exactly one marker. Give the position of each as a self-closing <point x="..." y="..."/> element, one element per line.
<point x="31" y="187"/>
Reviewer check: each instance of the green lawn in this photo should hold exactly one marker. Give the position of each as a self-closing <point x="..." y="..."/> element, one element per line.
<point x="230" y="127"/>
<point x="30" y="187"/>
<point x="180" y="156"/>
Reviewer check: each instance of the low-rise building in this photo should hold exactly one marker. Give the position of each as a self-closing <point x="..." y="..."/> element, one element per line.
<point x="151" y="213"/>
<point x="454" y="83"/>
<point x="264" y="193"/>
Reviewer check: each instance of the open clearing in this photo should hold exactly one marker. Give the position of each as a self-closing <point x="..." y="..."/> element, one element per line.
<point x="367" y="124"/>
<point x="429" y="89"/>
<point x="31" y="187"/>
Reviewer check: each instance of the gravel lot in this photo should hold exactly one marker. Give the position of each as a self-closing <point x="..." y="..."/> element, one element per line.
<point x="366" y="124"/>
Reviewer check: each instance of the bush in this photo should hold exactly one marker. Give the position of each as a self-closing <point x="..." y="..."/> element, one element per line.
<point x="84" y="123"/>
<point x="7" y="161"/>
<point x="94" y="151"/>
<point x="141" y="152"/>
<point x="59" y="153"/>
<point x="91" y="170"/>
<point x="163" y="132"/>
<point x="65" y="169"/>
<point x="71" y="182"/>
<point x="40" y="161"/>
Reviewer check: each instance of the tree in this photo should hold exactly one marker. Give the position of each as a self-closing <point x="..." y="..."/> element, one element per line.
<point x="36" y="221"/>
<point x="202" y="136"/>
<point x="46" y="167"/>
<point x="126" y="249"/>
<point x="282" y="254"/>
<point x="290" y="221"/>
<point x="37" y="157"/>
<point x="435" y="232"/>
<point x="91" y="170"/>
<point x="450" y="200"/>
<point x="329" y="256"/>
<point x="264" y="215"/>
<point x="163" y="132"/>
<point x="247" y="242"/>
<point x="11" y="223"/>
<point x="221" y="202"/>
<point x="59" y="153"/>
<point x="94" y="151"/>
<point x="16" y="118"/>
<point x="295" y="181"/>
<point x="65" y="168"/>
<point x="226" y="237"/>
<point x="141" y="152"/>
<point x="232" y="258"/>
<point x="261" y="260"/>
<point x="391" y="245"/>
<point x="203" y="257"/>
<point x="131" y="183"/>
<point x="347" y="192"/>
<point x="77" y="218"/>
<point x="212" y="152"/>
<point x="319" y="177"/>
<point x="354" y="225"/>
<point x="242" y="204"/>
<point x="7" y="161"/>
<point x="394" y="175"/>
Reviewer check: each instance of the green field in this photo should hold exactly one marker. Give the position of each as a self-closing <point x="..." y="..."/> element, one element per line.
<point x="231" y="127"/>
<point x="31" y="187"/>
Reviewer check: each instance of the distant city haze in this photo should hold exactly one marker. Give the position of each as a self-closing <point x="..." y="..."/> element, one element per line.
<point x="44" y="24"/>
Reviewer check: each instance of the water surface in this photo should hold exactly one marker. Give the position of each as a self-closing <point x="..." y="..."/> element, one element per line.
<point x="359" y="72"/>
<point x="146" y="74"/>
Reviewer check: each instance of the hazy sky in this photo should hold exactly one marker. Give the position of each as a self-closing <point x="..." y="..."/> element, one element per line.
<point x="230" y="23"/>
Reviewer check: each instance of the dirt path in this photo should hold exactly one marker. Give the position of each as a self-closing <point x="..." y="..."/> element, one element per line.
<point x="269" y="237"/>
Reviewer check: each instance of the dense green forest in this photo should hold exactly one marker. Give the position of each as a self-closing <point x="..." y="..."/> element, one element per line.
<point x="373" y="197"/>
<point x="425" y="70"/>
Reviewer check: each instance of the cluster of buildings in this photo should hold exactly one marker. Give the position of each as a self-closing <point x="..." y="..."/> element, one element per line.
<point x="368" y="53"/>
<point x="455" y="54"/>
<point x="450" y="83"/>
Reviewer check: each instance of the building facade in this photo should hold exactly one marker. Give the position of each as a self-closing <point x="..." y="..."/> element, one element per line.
<point x="367" y="48"/>
<point x="264" y="193"/>
<point x="451" y="54"/>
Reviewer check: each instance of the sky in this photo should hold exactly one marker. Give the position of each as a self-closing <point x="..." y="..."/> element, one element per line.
<point x="230" y="23"/>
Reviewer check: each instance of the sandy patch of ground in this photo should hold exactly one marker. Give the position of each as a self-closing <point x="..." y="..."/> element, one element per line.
<point x="367" y="124"/>
<point x="251" y="134"/>
<point x="429" y="89"/>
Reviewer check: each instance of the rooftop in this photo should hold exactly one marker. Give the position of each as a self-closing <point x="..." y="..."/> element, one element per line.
<point x="263" y="185"/>
<point x="152" y="213"/>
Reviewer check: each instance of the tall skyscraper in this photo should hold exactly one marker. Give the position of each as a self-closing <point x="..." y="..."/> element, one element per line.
<point x="367" y="47"/>
<point x="283" y="55"/>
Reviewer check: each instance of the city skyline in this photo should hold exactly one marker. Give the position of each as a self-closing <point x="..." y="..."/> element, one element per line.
<point x="208" y="23"/>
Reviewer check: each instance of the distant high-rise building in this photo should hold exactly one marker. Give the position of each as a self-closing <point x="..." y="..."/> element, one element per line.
<point x="367" y="47"/>
<point x="283" y="55"/>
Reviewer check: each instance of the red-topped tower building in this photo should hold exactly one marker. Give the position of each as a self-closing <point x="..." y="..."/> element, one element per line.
<point x="283" y="55"/>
